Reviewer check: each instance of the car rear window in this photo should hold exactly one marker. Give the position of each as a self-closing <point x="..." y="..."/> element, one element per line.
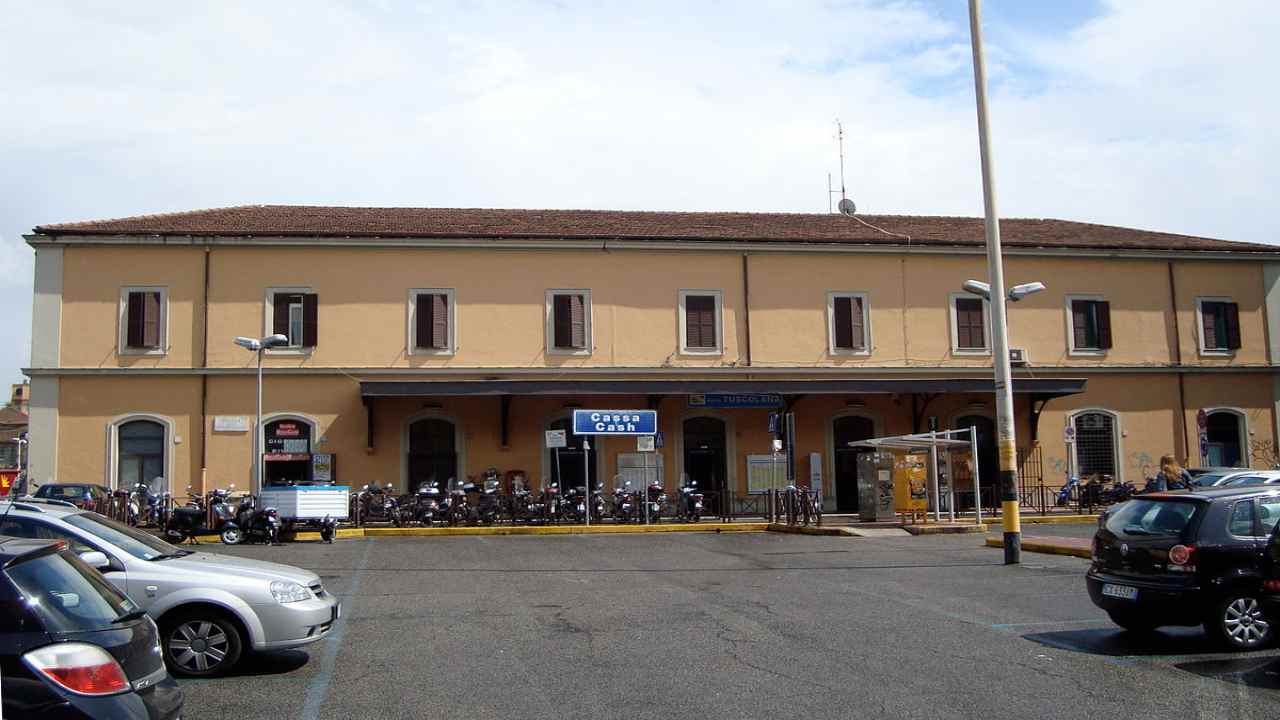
<point x="1148" y="517"/>
<point x="1248" y="480"/>
<point x="63" y="492"/>
<point x="1208" y="479"/>
<point x="66" y="594"/>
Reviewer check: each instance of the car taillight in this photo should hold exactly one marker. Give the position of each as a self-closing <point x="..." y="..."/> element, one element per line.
<point x="1271" y="586"/>
<point x="1181" y="554"/>
<point x="79" y="667"/>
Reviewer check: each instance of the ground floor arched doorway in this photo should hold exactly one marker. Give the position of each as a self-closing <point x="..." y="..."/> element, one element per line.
<point x="706" y="457"/>
<point x="988" y="461"/>
<point x="845" y="430"/>
<point x="433" y="453"/>
<point x="140" y="446"/>
<point x="569" y="470"/>
<point x="1224" y="430"/>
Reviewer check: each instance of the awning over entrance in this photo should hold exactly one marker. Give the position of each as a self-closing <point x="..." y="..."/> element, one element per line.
<point x="1039" y="390"/>
<point x="1043" y="388"/>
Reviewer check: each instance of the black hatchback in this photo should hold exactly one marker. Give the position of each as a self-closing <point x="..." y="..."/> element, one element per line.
<point x="72" y="646"/>
<point x="1190" y="558"/>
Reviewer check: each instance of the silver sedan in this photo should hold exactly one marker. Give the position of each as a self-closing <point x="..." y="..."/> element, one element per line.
<point x="210" y="608"/>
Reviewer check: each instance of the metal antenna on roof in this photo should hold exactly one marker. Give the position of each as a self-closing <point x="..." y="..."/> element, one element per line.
<point x="845" y="206"/>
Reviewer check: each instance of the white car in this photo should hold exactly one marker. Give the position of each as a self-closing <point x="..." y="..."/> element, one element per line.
<point x="210" y="608"/>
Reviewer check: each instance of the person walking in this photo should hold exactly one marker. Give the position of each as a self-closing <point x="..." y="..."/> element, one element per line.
<point x="1172" y="476"/>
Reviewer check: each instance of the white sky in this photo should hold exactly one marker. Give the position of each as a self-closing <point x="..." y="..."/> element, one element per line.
<point x="1147" y="113"/>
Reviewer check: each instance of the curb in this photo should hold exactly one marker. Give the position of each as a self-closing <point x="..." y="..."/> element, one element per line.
<point x="1044" y="519"/>
<point x="1046" y="547"/>
<point x="947" y="529"/>
<point x="348" y="533"/>
<point x="807" y="530"/>
<point x="566" y="529"/>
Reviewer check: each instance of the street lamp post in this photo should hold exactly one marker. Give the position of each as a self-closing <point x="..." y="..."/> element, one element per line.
<point x="1000" y="330"/>
<point x="257" y="346"/>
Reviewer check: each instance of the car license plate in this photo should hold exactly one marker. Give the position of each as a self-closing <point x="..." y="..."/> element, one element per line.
<point x="1124" y="592"/>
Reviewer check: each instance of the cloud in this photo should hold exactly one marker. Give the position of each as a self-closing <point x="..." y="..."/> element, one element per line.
<point x="1153" y="114"/>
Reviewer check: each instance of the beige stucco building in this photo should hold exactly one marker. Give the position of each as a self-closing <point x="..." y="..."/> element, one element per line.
<point x="429" y="343"/>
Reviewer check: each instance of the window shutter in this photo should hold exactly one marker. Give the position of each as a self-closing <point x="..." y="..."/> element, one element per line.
<point x="1232" y="315"/>
<point x="422" y="325"/>
<point x="969" y="324"/>
<point x="692" y="326"/>
<point x="561" y="336"/>
<point x="700" y="321"/>
<point x="577" y="321"/>
<point x="440" y="321"/>
<point x="1080" y="324"/>
<point x="310" y="318"/>
<point x="1209" y="324"/>
<point x="1104" y="324"/>
<point x="842" y="309"/>
<point x="133" y="320"/>
<point x="280" y="314"/>
<point x="151" y="319"/>
<point x="859" y="331"/>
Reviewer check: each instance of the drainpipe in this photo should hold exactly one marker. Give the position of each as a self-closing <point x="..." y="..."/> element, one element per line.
<point x="746" y="306"/>
<point x="204" y="379"/>
<point x="1177" y="362"/>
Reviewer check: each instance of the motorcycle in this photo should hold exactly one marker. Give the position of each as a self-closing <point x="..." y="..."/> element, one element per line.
<point x="691" y="503"/>
<point x="426" y="504"/>
<point x="656" y="499"/>
<point x="375" y="503"/>
<point x="624" y="506"/>
<point x="574" y="508"/>
<point x="1064" y="494"/>
<point x="252" y="524"/>
<point x="182" y="524"/>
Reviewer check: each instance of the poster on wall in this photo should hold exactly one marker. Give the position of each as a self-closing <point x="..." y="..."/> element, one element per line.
<point x="765" y="472"/>
<point x="322" y="468"/>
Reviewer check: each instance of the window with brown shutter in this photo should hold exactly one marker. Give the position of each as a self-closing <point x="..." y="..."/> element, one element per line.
<point x="1090" y="325"/>
<point x="1220" y="325"/>
<point x="432" y="326"/>
<point x="700" y="322"/>
<point x="570" y="329"/>
<point x="848" y="322"/>
<point x="143" y="321"/>
<point x="970" y="324"/>
<point x="296" y="316"/>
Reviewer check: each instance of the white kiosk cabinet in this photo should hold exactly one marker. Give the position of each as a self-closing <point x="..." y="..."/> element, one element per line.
<point x="307" y="502"/>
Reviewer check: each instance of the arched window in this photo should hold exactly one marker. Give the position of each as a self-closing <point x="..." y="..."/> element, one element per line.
<point x="140" y="446"/>
<point x="1095" y="443"/>
<point x="1225" y="433"/>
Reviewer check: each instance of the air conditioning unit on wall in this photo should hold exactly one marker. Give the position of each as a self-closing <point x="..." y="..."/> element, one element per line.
<point x="1017" y="356"/>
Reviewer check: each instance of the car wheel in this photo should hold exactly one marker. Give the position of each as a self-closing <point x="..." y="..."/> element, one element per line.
<point x="201" y="644"/>
<point x="1239" y="622"/>
<point x="1132" y="622"/>
<point x="232" y="536"/>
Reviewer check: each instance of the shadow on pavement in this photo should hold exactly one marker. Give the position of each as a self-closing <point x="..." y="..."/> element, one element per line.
<point x="1257" y="672"/>
<point x="278" y="662"/>
<point x="1117" y="643"/>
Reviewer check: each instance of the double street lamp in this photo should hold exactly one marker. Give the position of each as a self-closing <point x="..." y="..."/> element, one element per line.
<point x="258" y="345"/>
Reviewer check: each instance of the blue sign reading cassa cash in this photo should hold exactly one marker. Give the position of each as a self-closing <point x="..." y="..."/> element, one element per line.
<point x="615" y="422"/>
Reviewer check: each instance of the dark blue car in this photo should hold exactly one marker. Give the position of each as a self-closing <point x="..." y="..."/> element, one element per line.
<point x="71" y="645"/>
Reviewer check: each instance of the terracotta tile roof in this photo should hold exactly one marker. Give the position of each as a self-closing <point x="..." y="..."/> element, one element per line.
<point x="368" y="222"/>
<point x="11" y="417"/>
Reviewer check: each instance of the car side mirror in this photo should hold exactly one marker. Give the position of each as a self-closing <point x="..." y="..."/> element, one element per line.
<point x="96" y="560"/>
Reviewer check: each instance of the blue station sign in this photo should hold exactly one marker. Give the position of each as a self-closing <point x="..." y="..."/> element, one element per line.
<point x="615" y="422"/>
<point x="735" y="400"/>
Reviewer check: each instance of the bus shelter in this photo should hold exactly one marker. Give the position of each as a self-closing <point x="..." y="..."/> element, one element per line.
<point x="935" y="444"/>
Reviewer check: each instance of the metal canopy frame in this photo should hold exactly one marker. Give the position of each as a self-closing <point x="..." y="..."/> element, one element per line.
<point x="933" y="441"/>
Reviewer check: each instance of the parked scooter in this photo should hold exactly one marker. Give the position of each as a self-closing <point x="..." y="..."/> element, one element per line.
<point x="624" y="504"/>
<point x="252" y="524"/>
<point x="656" y="499"/>
<point x="1064" y="494"/>
<point x="426" y="504"/>
<point x="488" y="505"/>
<point x="182" y="523"/>
<point x="691" y="503"/>
<point x="375" y="503"/>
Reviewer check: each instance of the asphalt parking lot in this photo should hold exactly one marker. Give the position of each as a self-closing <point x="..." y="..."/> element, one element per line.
<point x="722" y="626"/>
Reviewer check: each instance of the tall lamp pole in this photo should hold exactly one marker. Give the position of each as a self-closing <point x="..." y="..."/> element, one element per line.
<point x="1000" y="330"/>
<point x="257" y="345"/>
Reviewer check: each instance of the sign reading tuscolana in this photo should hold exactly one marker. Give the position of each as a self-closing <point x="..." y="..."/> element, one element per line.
<point x="615" y="422"/>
